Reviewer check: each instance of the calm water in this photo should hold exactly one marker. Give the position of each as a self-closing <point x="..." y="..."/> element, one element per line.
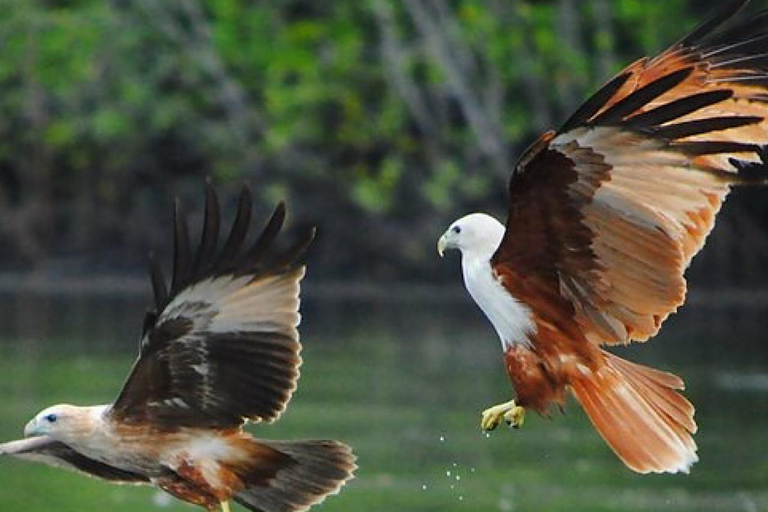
<point x="403" y="381"/>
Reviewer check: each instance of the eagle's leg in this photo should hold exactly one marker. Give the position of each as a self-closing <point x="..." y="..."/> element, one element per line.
<point x="224" y="506"/>
<point x="510" y="412"/>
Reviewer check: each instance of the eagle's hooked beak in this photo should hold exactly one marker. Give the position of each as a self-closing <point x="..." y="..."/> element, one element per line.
<point x="30" y="429"/>
<point x="441" y="245"/>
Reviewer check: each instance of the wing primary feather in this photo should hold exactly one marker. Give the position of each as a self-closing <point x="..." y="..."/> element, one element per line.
<point x="210" y="236"/>
<point x="699" y="126"/>
<point x="754" y="61"/>
<point x="593" y="105"/>
<point x="159" y="288"/>
<point x="289" y="257"/>
<point x="698" y="148"/>
<point x="271" y="230"/>
<point x="641" y="97"/>
<point x="743" y="45"/>
<point x="237" y="233"/>
<point x="678" y="108"/>
<point x="752" y="172"/>
<point x="181" y="250"/>
<point x="742" y="32"/>
<point x="707" y="26"/>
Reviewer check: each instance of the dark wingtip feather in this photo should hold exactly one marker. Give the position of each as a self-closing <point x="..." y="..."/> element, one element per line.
<point x="238" y="231"/>
<point x="700" y="126"/>
<point x="699" y="148"/>
<point x="159" y="289"/>
<point x="707" y="26"/>
<point x="678" y="108"/>
<point x="253" y="256"/>
<point x="209" y="238"/>
<point x="752" y="173"/>
<point x="289" y="257"/>
<point x="595" y="102"/>
<point x="181" y="250"/>
<point x="642" y="97"/>
<point x="209" y="261"/>
<point x="746" y="37"/>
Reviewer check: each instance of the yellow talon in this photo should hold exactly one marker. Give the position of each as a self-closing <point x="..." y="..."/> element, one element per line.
<point x="224" y="506"/>
<point x="510" y="412"/>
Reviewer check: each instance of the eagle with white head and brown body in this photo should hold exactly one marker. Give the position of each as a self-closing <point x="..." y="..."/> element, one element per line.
<point x="605" y="214"/>
<point x="220" y="349"/>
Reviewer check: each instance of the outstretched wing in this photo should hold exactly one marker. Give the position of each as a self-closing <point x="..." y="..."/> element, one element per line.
<point x="223" y="345"/>
<point x="606" y="213"/>
<point x="59" y="455"/>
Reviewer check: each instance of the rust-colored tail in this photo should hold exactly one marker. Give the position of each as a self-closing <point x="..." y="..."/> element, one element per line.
<point x="639" y="413"/>
<point x="297" y="474"/>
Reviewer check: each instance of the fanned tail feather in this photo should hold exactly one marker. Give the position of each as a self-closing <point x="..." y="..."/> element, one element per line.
<point x="316" y="469"/>
<point x="641" y="416"/>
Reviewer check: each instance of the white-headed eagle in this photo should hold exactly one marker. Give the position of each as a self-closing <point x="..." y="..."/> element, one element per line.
<point x="220" y="349"/>
<point x="605" y="214"/>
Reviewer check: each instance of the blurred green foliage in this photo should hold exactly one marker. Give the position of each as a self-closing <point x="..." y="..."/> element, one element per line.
<point x="372" y="118"/>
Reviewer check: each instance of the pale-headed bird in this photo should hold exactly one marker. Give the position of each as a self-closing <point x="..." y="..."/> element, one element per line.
<point x="220" y="349"/>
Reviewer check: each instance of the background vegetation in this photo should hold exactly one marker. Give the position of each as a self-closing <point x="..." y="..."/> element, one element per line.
<point x="379" y="120"/>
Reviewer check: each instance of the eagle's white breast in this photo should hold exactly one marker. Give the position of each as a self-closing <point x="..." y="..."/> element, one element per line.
<point x="511" y="318"/>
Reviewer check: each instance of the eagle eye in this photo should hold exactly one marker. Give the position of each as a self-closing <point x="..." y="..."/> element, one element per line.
<point x="456" y="229"/>
<point x="51" y="418"/>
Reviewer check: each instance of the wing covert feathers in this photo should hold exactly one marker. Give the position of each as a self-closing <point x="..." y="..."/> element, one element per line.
<point x="639" y="413"/>
<point x="223" y="345"/>
<point x="610" y="210"/>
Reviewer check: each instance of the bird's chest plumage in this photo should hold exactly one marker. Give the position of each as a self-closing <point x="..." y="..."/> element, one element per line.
<point x="511" y="318"/>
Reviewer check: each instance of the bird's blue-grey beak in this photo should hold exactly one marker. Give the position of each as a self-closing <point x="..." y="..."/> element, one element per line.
<point x="31" y="429"/>
<point x="441" y="245"/>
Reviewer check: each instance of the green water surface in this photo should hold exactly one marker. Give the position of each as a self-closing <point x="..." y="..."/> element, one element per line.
<point x="404" y="385"/>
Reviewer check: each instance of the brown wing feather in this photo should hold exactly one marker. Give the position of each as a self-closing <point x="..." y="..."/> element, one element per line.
<point x="606" y="214"/>
<point x="223" y="345"/>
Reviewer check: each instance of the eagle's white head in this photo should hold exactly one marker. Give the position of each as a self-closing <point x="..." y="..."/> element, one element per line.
<point x="62" y="421"/>
<point x="476" y="234"/>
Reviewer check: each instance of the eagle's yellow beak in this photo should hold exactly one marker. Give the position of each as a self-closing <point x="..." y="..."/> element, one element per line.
<point x="441" y="245"/>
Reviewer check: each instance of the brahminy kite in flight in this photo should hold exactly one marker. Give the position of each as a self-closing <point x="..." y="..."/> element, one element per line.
<point x="220" y="349"/>
<point x="605" y="214"/>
